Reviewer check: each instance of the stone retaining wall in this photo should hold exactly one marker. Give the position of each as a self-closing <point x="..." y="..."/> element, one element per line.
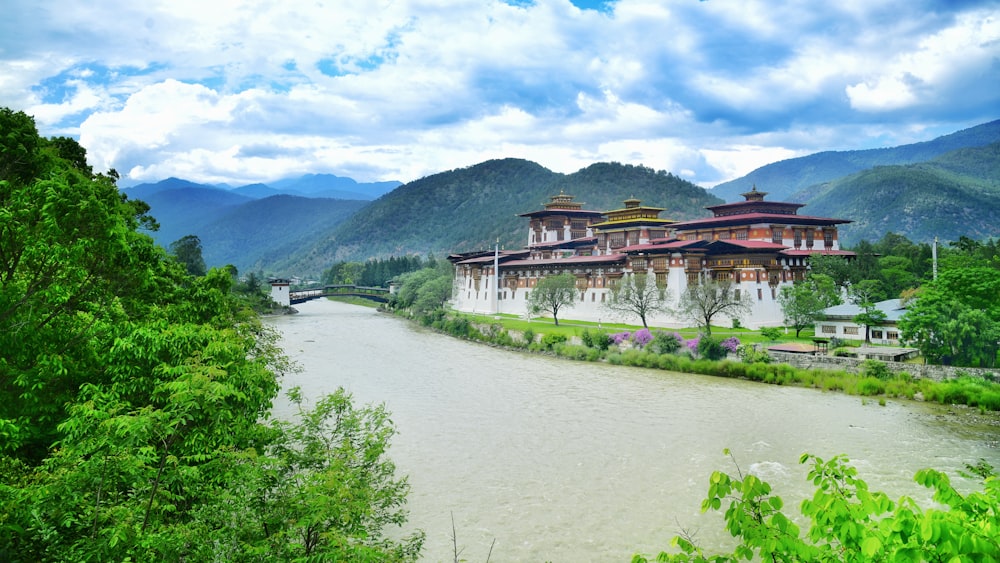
<point x="853" y="365"/>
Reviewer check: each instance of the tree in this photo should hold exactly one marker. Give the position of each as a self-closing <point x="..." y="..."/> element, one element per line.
<point x="426" y="289"/>
<point x="133" y="425"/>
<point x="552" y="294"/>
<point x="702" y="302"/>
<point x="803" y="303"/>
<point x="948" y="331"/>
<point x="864" y="295"/>
<point x="848" y="521"/>
<point x="187" y="250"/>
<point x="637" y="294"/>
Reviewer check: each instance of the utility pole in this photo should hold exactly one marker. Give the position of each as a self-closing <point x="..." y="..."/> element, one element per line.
<point x="934" y="257"/>
<point x="496" y="278"/>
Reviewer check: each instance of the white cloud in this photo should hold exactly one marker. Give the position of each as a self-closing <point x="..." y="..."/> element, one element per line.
<point x="397" y="89"/>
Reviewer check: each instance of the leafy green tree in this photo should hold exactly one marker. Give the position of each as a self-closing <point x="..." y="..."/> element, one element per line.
<point x="552" y="294"/>
<point x="133" y="425"/>
<point x="849" y="522"/>
<point x="948" y="331"/>
<point x="803" y="303"/>
<point x="704" y="301"/>
<point x="637" y="295"/>
<point x="426" y="289"/>
<point x="865" y="294"/>
<point x="187" y="250"/>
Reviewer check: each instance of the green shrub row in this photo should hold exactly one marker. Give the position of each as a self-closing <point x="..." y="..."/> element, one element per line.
<point x="875" y="379"/>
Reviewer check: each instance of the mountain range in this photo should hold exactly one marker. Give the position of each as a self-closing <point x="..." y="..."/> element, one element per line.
<point x="947" y="187"/>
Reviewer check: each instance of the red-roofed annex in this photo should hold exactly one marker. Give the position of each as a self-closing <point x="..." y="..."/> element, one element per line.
<point x="757" y="245"/>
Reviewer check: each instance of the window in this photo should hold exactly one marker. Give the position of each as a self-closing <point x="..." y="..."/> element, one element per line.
<point x="798" y="238"/>
<point x="742" y="235"/>
<point x="877" y="334"/>
<point x="828" y="239"/>
<point x="760" y="294"/>
<point x="809" y="238"/>
<point x="776" y="235"/>
<point x="661" y="280"/>
<point x="892" y="335"/>
<point x="725" y="235"/>
<point x="829" y="329"/>
<point x="851" y="330"/>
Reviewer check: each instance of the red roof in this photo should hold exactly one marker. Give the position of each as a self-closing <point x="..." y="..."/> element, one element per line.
<point x="558" y="243"/>
<point x="825" y="252"/>
<point x="751" y="218"/>
<point x="661" y="244"/>
<point x="602" y="259"/>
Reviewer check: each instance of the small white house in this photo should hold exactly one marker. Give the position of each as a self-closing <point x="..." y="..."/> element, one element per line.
<point x="838" y="321"/>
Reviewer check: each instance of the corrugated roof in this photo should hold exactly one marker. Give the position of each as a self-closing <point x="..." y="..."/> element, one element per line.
<point x="893" y="309"/>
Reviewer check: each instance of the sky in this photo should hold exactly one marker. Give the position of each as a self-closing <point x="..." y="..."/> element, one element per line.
<point x="238" y="92"/>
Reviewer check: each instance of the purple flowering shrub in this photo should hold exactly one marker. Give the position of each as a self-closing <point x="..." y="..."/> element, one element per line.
<point x="731" y="344"/>
<point x="693" y="345"/>
<point x="642" y="337"/>
<point x="620" y="337"/>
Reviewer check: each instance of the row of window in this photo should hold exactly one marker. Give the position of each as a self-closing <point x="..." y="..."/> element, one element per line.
<point x="876" y="334"/>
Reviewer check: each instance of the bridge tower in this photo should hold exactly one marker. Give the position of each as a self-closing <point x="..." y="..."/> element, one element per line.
<point x="280" y="292"/>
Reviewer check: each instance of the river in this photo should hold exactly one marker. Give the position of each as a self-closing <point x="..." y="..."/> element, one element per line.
<point x="571" y="461"/>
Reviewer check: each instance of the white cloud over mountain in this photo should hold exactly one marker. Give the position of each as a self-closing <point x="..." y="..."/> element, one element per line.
<point x="245" y="91"/>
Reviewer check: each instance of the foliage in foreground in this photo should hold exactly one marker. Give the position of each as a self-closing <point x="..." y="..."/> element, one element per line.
<point x="133" y="425"/>
<point x="849" y="522"/>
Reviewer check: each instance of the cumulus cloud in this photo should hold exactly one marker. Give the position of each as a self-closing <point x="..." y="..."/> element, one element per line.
<point x="239" y="92"/>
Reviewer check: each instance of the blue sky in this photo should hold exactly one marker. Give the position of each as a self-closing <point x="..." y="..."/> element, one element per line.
<point x="238" y="92"/>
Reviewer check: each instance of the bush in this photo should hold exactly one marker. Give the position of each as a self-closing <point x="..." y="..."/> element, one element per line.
<point x="731" y="344"/>
<point x="711" y="349"/>
<point x="550" y="340"/>
<point x="529" y="337"/>
<point x="595" y="339"/>
<point x="876" y="369"/>
<point x="664" y="343"/>
<point x="749" y="354"/>
<point x="642" y="337"/>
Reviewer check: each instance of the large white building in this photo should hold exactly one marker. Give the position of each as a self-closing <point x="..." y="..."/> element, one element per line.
<point x="756" y="244"/>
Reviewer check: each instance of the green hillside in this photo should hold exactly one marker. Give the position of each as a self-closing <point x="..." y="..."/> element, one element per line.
<point x="470" y="208"/>
<point x="956" y="194"/>
<point x="787" y="177"/>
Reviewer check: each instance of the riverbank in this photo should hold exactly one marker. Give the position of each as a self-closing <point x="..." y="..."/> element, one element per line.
<point x="874" y="380"/>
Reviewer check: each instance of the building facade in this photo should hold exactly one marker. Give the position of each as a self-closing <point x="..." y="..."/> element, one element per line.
<point x="757" y="245"/>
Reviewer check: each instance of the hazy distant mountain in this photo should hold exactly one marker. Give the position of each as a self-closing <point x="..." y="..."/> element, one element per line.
<point x="309" y="185"/>
<point x="955" y="194"/>
<point x="248" y="231"/>
<point x="328" y="185"/>
<point x="787" y="177"/>
<point x="469" y="208"/>
<point x="259" y="233"/>
<point x="185" y="210"/>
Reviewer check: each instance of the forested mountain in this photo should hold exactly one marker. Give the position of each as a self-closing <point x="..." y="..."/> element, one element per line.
<point x="787" y="177"/>
<point x="954" y="195"/>
<point x="470" y="208"/>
